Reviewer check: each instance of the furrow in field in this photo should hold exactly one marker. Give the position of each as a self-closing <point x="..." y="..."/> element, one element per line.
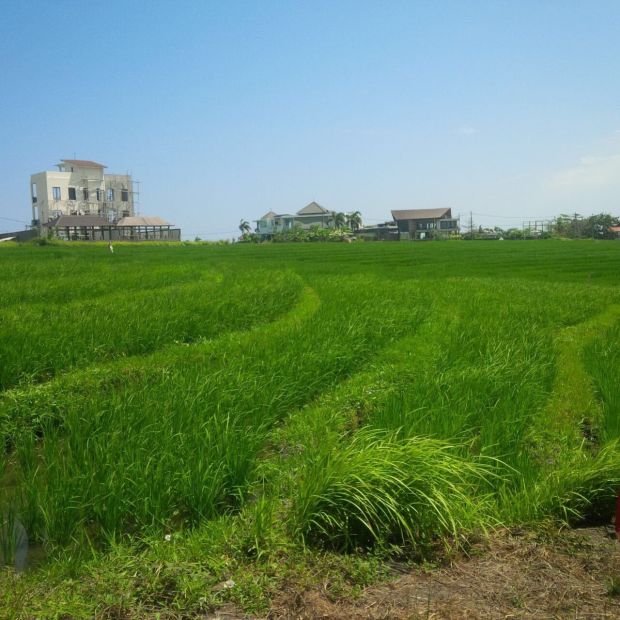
<point x="33" y="404"/>
<point x="183" y="436"/>
<point x="573" y="413"/>
<point x="36" y="344"/>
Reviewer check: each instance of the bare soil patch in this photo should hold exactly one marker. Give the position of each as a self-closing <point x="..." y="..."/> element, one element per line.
<point x="514" y="575"/>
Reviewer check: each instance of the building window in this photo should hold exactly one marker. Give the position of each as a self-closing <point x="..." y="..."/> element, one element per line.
<point x="56" y="193"/>
<point x="110" y="195"/>
<point x="34" y="193"/>
<point x="85" y="193"/>
<point x="98" y="195"/>
<point x="125" y="195"/>
<point x="72" y="193"/>
<point x="447" y="224"/>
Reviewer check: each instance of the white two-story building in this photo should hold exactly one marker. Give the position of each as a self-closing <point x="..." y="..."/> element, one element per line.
<point x="80" y="187"/>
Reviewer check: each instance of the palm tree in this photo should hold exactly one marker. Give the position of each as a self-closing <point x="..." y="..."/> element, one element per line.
<point x="244" y="227"/>
<point x="339" y="220"/>
<point x="355" y="220"/>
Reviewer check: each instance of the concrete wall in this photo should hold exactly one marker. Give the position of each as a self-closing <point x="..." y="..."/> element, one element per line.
<point x="21" y="235"/>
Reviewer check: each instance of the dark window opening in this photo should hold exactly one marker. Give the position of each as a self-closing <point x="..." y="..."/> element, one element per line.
<point x="447" y="224"/>
<point x="85" y="193"/>
<point x="72" y="195"/>
<point x="98" y="195"/>
<point x="125" y="195"/>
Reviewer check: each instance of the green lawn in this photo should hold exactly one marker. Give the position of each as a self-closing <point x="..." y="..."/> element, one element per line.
<point x="177" y="415"/>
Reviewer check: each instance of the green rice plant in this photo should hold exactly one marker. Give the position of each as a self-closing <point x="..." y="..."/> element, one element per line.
<point x="35" y="344"/>
<point x="343" y="395"/>
<point x="378" y="489"/>
<point x="584" y="490"/>
<point x="178" y="441"/>
<point x="602" y="358"/>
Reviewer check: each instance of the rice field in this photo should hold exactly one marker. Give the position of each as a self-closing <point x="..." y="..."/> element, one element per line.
<point x="249" y="402"/>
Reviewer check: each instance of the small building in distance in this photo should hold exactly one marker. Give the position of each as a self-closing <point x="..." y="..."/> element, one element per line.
<point x="419" y="224"/>
<point x="387" y="231"/>
<point x="144" y="228"/>
<point x="80" y="187"/>
<point x="81" y="202"/>
<point x="311" y="215"/>
<point x="615" y="231"/>
<point x="96" y="228"/>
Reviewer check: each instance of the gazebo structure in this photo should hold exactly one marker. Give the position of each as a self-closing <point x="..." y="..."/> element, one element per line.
<point x="145" y="228"/>
<point x="97" y="228"/>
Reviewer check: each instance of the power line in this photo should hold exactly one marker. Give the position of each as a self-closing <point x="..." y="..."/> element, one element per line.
<point x="9" y="219"/>
<point x="515" y="217"/>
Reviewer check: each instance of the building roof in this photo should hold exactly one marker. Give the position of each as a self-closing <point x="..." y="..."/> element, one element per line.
<point x="269" y="215"/>
<point x="614" y="229"/>
<point x="79" y="220"/>
<point x="82" y="163"/>
<point x="313" y="209"/>
<point x="420" y="214"/>
<point x="143" y="220"/>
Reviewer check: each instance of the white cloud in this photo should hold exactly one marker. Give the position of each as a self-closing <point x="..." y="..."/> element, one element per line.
<point x="592" y="173"/>
<point x="466" y="130"/>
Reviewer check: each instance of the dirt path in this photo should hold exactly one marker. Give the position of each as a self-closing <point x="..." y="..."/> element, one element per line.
<point x="515" y="575"/>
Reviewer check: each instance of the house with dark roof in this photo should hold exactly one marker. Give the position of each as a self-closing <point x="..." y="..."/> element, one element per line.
<point x="311" y="215"/>
<point x="420" y="224"/>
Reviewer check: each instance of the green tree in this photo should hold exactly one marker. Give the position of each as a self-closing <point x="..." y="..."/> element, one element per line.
<point x="597" y="226"/>
<point x="244" y="227"/>
<point x="355" y="221"/>
<point x="340" y="220"/>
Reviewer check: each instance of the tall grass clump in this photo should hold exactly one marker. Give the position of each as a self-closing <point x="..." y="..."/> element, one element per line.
<point x="378" y="489"/>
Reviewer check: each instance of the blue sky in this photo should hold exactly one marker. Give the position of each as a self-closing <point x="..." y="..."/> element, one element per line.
<point x="225" y="110"/>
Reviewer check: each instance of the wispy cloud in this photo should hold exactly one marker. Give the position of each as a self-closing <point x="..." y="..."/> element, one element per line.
<point x="466" y="130"/>
<point x="592" y="173"/>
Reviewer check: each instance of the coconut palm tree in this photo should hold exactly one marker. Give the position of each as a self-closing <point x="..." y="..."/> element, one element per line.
<point x="244" y="227"/>
<point x="355" y="220"/>
<point x="340" y="220"/>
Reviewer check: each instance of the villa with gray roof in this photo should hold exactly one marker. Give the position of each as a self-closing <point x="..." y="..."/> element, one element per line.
<point x="311" y="215"/>
<point x="418" y="224"/>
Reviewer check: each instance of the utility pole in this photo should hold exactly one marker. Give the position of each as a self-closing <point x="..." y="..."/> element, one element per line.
<point x="576" y="217"/>
<point x="471" y="225"/>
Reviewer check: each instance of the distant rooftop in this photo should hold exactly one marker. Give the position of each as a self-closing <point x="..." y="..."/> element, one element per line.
<point x="313" y="209"/>
<point x="143" y="220"/>
<point x="78" y="220"/>
<point x="420" y="214"/>
<point x="82" y="163"/>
